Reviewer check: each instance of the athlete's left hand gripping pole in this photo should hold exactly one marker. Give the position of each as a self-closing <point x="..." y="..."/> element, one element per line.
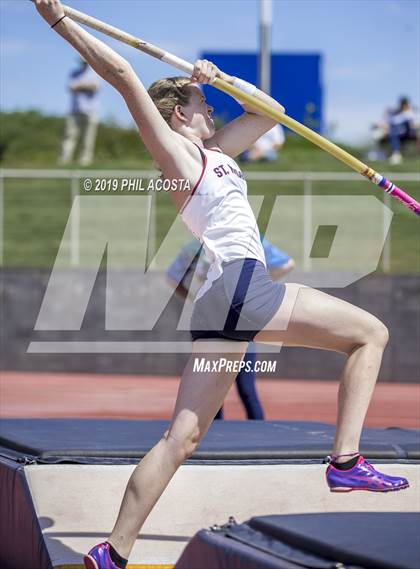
<point x="279" y="116"/>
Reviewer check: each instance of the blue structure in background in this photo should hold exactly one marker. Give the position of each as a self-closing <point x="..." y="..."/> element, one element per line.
<point x="296" y="82"/>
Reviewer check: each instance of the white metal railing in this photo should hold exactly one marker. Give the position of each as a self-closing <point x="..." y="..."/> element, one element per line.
<point x="307" y="178"/>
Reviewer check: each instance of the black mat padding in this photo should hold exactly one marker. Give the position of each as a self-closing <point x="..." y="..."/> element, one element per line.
<point x="210" y="550"/>
<point x="316" y="541"/>
<point x="22" y="545"/>
<point x="370" y="539"/>
<point x="54" y="440"/>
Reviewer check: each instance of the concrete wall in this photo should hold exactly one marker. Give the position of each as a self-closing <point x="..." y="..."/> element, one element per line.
<point x="394" y="299"/>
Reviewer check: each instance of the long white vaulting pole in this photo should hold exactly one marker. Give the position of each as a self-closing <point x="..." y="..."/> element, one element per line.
<point x="269" y="111"/>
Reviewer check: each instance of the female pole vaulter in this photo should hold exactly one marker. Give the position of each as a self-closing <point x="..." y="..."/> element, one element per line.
<point x="238" y="302"/>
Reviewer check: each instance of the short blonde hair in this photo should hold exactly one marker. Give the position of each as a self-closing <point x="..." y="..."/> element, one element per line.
<point x="168" y="93"/>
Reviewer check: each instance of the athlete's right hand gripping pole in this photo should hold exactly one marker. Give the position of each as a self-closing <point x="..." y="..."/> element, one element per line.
<point x="235" y="92"/>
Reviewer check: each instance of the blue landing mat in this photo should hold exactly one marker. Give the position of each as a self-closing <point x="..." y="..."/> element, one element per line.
<point x="118" y="441"/>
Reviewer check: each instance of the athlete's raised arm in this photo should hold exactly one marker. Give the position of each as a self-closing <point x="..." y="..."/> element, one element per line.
<point x="175" y="155"/>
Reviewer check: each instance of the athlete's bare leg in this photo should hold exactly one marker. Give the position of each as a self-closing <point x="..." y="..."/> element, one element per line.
<point x="200" y="396"/>
<point x="318" y="320"/>
<point x="315" y="320"/>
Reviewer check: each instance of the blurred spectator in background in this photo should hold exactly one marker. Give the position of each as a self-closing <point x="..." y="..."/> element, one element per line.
<point x="266" y="148"/>
<point x="82" y="121"/>
<point x="402" y="128"/>
<point x="397" y="127"/>
<point x="380" y="135"/>
<point x="190" y="262"/>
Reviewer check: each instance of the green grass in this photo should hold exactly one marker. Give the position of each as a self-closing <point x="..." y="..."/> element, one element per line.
<point x="32" y="140"/>
<point x="36" y="211"/>
<point x="35" y="214"/>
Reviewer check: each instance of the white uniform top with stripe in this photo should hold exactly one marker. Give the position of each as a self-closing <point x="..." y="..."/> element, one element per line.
<point x="218" y="213"/>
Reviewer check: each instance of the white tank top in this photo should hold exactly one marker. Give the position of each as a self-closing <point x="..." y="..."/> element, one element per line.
<point x="218" y="213"/>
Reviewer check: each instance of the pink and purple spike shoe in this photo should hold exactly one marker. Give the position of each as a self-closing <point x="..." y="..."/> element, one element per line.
<point x="363" y="477"/>
<point x="99" y="558"/>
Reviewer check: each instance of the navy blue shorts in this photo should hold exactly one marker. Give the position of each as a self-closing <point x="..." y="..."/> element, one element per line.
<point x="239" y="304"/>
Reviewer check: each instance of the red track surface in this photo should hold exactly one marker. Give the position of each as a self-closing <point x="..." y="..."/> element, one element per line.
<point x="48" y="395"/>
